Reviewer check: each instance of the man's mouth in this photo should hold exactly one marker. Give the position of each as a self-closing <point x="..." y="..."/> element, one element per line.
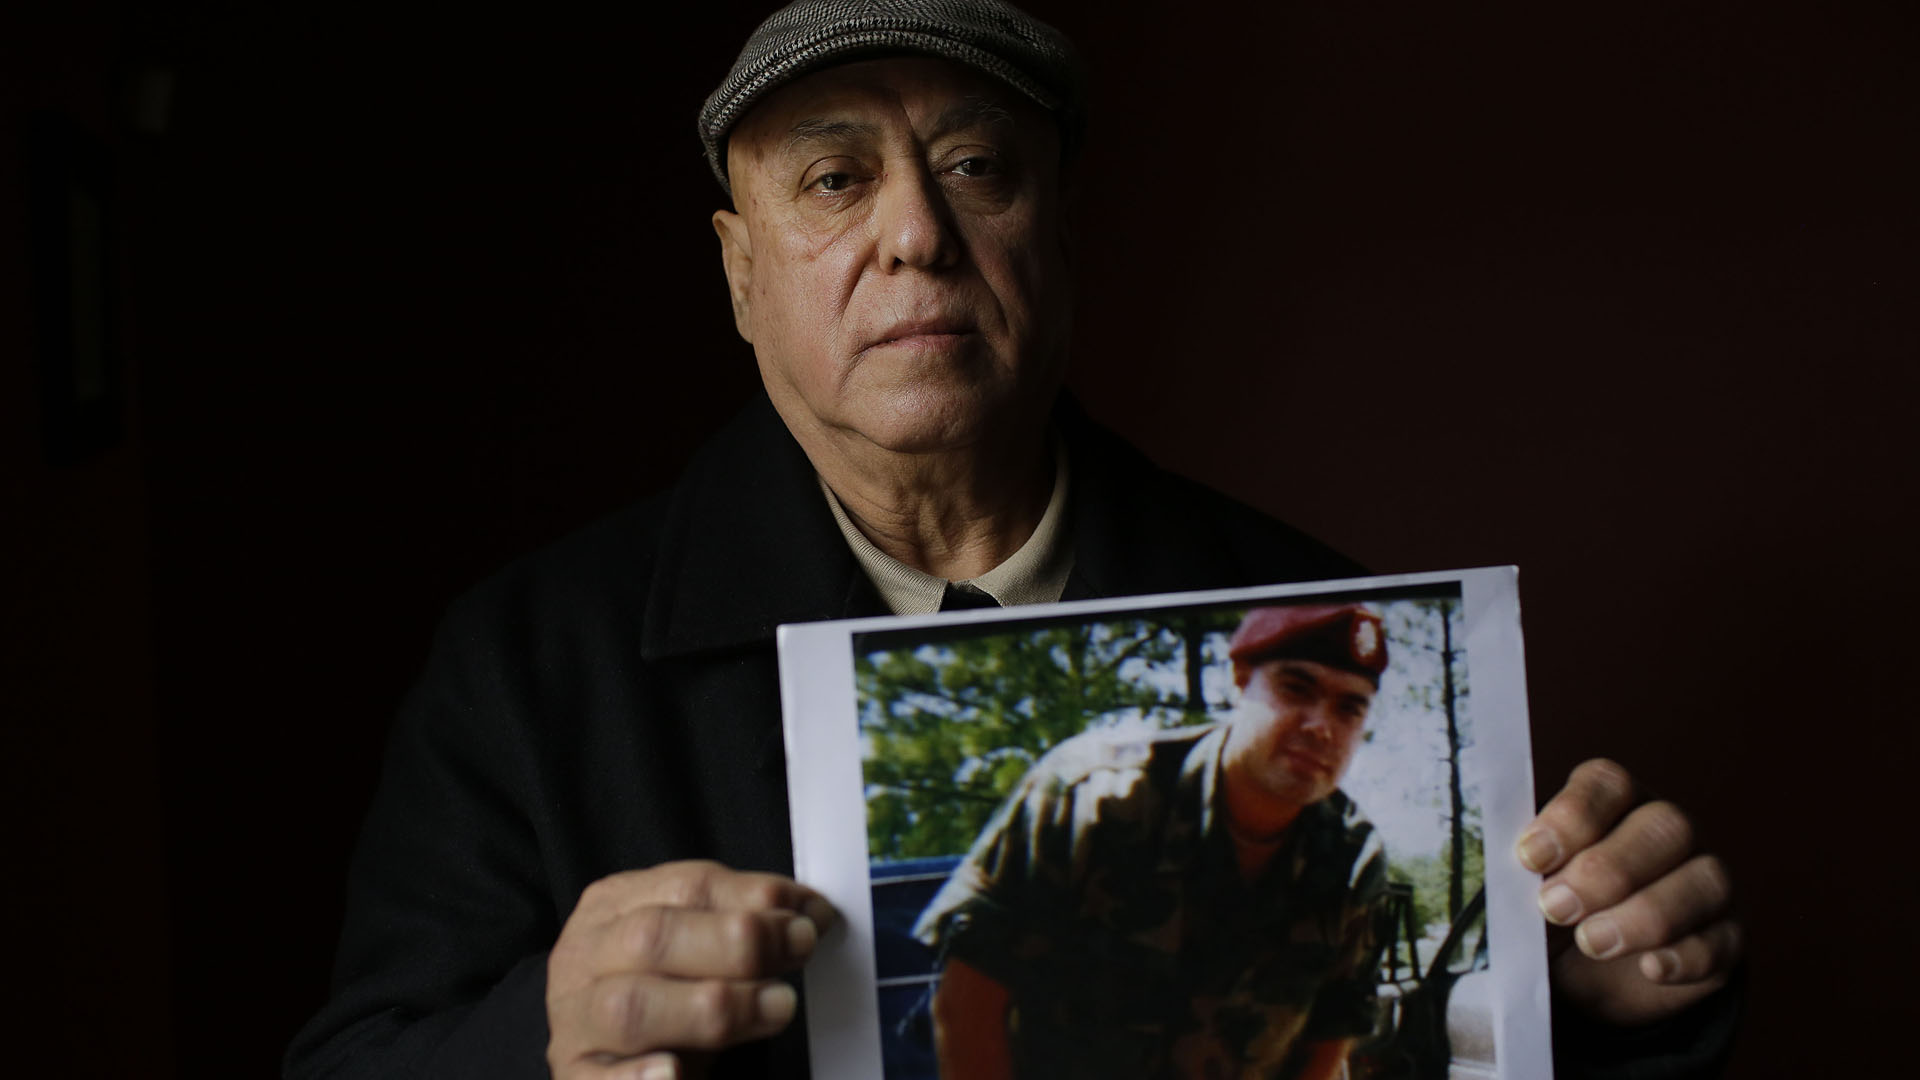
<point x="934" y="331"/>
<point x="1306" y="761"/>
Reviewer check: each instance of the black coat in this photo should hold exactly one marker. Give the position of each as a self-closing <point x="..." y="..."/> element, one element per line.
<point x="612" y="703"/>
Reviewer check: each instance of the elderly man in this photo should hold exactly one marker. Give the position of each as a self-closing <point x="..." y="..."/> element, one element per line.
<point x="576" y="858"/>
<point x="1198" y="903"/>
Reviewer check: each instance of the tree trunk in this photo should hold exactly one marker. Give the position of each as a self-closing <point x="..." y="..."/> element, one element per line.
<point x="1195" y="635"/>
<point x="1457" y="868"/>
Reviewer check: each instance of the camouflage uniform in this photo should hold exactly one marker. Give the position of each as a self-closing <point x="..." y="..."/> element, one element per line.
<point x="1106" y="897"/>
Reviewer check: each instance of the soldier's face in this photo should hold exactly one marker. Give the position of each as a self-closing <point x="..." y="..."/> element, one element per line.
<point x="897" y="254"/>
<point x="1296" y="728"/>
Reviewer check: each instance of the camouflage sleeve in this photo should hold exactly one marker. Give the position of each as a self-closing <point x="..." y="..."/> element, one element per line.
<point x="1347" y="1002"/>
<point x="1013" y="882"/>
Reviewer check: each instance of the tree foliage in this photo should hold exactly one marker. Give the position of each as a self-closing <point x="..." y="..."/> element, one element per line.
<point x="950" y="728"/>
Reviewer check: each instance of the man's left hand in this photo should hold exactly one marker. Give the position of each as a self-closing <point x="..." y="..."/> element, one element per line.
<point x="1647" y="929"/>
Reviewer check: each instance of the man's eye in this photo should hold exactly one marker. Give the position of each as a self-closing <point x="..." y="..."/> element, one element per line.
<point x="1297" y="691"/>
<point x="979" y="166"/>
<point x="833" y="181"/>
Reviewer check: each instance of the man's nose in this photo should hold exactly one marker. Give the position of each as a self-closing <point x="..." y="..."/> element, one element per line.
<point x="1319" y="722"/>
<point x="914" y="221"/>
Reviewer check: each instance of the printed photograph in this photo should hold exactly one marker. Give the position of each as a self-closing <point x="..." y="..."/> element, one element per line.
<point x="1191" y="841"/>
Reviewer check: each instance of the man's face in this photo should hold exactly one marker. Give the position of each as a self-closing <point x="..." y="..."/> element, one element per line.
<point x="897" y="256"/>
<point x="1296" y="728"/>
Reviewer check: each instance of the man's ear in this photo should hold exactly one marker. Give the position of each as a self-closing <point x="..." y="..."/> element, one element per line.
<point x="736" y="258"/>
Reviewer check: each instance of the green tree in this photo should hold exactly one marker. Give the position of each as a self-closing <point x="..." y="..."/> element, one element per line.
<point x="951" y="727"/>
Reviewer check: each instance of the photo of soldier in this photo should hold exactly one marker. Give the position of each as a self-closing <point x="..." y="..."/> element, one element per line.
<point x="1172" y="891"/>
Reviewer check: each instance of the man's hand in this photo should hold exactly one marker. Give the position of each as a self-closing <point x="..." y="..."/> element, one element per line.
<point x="680" y="957"/>
<point x="1649" y="914"/>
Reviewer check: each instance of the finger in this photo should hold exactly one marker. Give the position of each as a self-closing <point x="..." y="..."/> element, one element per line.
<point x="1647" y="845"/>
<point x="1598" y="794"/>
<point x="701" y="883"/>
<point x="662" y="1065"/>
<point x="621" y="1016"/>
<point x="1663" y="912"/>
<point x="1709" y="954"/>
<point x="693" y="943"/>
<point x="644" y="1067"/>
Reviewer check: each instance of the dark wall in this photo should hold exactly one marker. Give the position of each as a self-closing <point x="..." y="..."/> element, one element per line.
<point x="1622" y="295"/>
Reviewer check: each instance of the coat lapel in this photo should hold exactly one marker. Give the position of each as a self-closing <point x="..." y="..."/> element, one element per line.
<point x="1132" y="532"/>
<point x="1139" y="530"/>
<point x="749" y="543"/>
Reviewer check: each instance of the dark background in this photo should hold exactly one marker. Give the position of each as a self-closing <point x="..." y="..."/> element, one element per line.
<point x="1622" y="293"/>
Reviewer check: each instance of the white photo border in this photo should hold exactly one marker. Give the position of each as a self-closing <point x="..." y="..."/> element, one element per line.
<point x="826" y="799"/>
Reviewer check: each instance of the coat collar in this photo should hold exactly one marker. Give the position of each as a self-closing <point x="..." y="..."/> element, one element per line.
<point x="1137" y="529"/>
<point x="750" y="543"/>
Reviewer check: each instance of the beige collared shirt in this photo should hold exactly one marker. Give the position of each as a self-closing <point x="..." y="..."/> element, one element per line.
<point x="1035" y="574"/>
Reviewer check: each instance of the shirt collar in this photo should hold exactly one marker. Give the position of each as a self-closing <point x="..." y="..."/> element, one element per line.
<point x="1035" y="574"/>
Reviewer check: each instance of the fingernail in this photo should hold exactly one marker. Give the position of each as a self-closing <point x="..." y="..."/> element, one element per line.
<point x="801" y="937"/>
<point x="819" y="911"/>
<point x="776" y="1003"/>
<point x="1538" y="849"/>
<point x="1660" y="965"/>
<point x="1599" y="938"/>
<point x="668" y="1069"/>
<point x="1559" y="904"/>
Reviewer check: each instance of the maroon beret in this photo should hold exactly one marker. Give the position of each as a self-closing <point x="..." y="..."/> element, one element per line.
<point x="1344" y="636"/>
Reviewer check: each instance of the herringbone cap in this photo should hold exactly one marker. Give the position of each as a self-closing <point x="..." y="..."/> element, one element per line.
<point x="808" y="35"/>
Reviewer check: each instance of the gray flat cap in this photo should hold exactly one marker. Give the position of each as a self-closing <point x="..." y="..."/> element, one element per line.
<point x="808" y="35"/>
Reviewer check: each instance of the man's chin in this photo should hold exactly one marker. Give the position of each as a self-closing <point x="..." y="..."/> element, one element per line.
<point x="920" y="422"/>
<point x="1300" y="784"/>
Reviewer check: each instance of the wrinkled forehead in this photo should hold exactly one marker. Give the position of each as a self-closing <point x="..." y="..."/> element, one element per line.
<point x="919" y="97"/>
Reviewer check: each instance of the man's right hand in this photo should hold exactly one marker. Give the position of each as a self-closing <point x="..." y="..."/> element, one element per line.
<point x="681" y="957"/>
